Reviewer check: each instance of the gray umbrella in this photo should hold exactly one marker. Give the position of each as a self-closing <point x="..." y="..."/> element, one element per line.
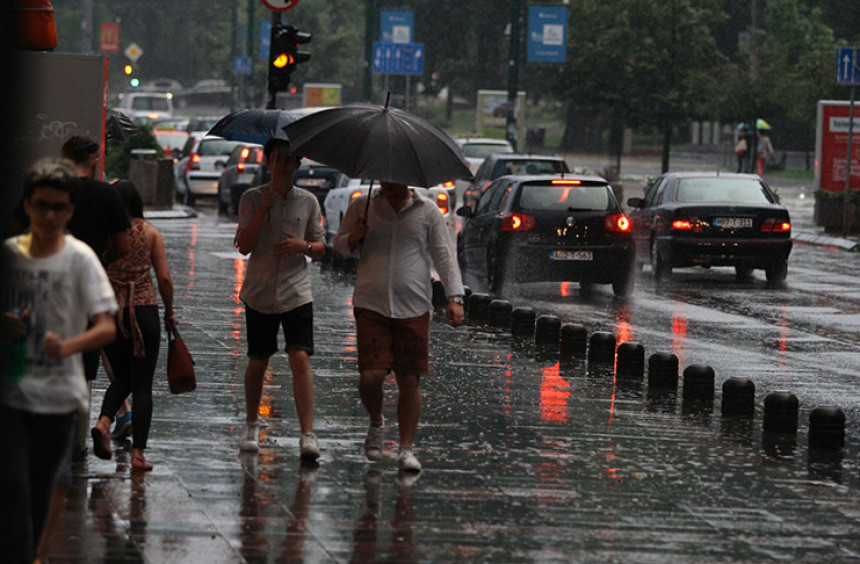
<point x="379" y="143"/>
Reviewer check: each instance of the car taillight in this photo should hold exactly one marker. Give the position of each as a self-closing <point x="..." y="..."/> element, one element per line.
<point x="566" y="182"/>
<point x="448" y="185"/>
<point x="775" y="225"/>
<point x="442" y="202"/>
<point x="516" y="221"/>
<point x="245" y="152"/>
<point x="240" y="167"/>
<point x="688" y="224"/>
<point x="355" y="195"/>
<point x="618" y="222"/>
<point x="194" y="162"/>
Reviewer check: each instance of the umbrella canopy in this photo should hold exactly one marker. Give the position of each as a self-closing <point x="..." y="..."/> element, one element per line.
<point x="379" y="143"/>
<point x="253" y="125"/>
<point x="119" y="126"/>
<point x="762" y="125"/>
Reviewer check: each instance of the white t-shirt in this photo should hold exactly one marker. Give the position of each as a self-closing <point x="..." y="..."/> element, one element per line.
<point x="61" y="292"/>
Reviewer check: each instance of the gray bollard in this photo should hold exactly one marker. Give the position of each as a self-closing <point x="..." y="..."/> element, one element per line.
<point x="500" y="314"/>
<point x="523" y="322"/>
<point x="547" y="331"/>
<point x="631" y="360"/>
<point x="826" y="428"/>
<point x="738" y="398"/>
<point x="698" y="382"/>
<point x="780" y="413"/>
<point x="663" y="371"/>
<point x="440" y="300"/>
<point x="601" y="348"/>
<point x="574" y="341"/>
<point x="479" y="309"/>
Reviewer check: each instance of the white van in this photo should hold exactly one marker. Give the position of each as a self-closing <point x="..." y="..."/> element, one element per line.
<point x="146" y="107"/>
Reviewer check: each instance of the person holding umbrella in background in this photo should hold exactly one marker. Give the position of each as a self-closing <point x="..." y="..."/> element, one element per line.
<point x="279" y="225"/>
<point x="764" y="147"/>
<point x="397" y="239"/>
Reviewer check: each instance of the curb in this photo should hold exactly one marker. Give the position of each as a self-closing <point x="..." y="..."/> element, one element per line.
<point x="826" y="240"/>
<point x="173" y="213"/>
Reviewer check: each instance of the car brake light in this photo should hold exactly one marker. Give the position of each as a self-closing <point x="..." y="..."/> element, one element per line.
<point x="775" y="225"/>
<point x="245" y="152"/>
<point x="618" y="222"/>
<point x="442" y="202"/>
<point x="355" y="195"/>
<point x="566" y="182"/>
<point x="240" y="167"/>
<point x="518" y="222"/>
<point x="449" y="184"/>
<point x="194" y="162"/>
<point x="682" y="225"/>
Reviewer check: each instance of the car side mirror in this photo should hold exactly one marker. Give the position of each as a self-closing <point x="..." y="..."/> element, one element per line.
<point x="465" y="211"/>
<point x="636" y="202"/>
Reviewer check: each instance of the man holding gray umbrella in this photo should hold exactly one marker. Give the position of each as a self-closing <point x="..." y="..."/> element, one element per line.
<point x="279" y="225"/>
<point x="397" y="240"/>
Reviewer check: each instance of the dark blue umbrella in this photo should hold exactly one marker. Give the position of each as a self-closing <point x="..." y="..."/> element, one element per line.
<point x="253" y="125"/>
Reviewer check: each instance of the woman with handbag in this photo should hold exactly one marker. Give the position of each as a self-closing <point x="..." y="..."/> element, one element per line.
<point x="134" y="354"/>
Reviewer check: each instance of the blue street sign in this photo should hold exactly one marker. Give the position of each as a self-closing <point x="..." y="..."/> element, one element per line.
<point x="242" y="65"/>
<point x="396" y="27"/>
<point x="547" y="38"/>
<point x="398" y="58"/>
<point x="265" y="38"/>
<point x="848" y="66"/>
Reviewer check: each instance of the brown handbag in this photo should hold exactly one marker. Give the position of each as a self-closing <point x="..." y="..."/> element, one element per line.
<point x="180" y="365"/>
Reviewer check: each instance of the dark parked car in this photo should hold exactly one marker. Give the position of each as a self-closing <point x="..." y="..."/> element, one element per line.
<point x="549" y="228"/>
<point x="711" y="219"/>
<point x="318" y="179"/>
<point x="498" y="164"/>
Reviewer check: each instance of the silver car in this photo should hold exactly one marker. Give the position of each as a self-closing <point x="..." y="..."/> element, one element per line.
<point x="198" y="171"/>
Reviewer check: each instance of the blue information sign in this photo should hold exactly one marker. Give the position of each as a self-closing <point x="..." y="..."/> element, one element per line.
<point x="396" y="27"/>
<point x="265" y="38"/>
<point x="547" y="39"/>
<point x="242" y="65"/>
<point x="398" y="58"/>
<point x="848" y="66"/>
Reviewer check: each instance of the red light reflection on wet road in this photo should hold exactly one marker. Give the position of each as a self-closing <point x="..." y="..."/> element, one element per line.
<point x="554" y="391"/>
<point x="679" y="337"/>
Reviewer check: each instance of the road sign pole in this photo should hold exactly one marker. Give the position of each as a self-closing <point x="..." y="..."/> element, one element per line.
<point x="513" y="74"/>
<point x="845" y="202"/>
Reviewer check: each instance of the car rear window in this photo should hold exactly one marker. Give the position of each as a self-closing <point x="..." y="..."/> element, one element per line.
<point x="554" y="197"/>
<point x="721" y="191"/>
<point x="483" y="150"/>
<point x="209" y="147"/>
<point x="524" y="167"/>
<point x="150" y="103"/>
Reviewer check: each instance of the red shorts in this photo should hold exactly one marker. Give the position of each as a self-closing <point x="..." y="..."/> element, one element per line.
<point x="399" y="344"/>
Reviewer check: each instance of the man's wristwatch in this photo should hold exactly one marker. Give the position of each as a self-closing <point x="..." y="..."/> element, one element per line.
<point x="457" y="300"/>
<point x="308" y="249"/>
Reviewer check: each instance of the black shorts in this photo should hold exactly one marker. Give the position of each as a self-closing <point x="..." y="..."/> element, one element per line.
<point x="262" y="330"/>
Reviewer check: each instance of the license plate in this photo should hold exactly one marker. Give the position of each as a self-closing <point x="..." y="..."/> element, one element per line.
<point x="310" y="182"/>
<point x="570" y="255"/>
<point x="733" y="222"/>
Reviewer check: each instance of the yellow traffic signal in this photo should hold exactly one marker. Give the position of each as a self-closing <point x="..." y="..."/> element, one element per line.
<point x="128" y="69"/>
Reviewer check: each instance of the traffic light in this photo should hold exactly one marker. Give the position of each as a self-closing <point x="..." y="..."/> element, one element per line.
<point x="284" y="55"/>
<point x="133" y="81"/>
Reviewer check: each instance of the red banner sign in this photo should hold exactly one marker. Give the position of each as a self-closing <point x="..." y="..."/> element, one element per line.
<point x="109" y="38"/>
<point x="831" y="158"/>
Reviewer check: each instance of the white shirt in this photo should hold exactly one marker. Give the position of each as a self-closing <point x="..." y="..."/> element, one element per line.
<point x="62" y="292"/>
<point x="278" y="285"/>
<point x="394" y="267"/>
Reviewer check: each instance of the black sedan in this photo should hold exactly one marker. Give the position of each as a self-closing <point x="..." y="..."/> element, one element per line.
<point x="711" y="219"/>
<point x="548" y="228"/>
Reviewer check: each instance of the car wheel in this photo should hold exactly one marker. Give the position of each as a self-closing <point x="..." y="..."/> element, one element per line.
<point x="623" y="285"/>
<point x="659" y="267"/>
<point x="778" y="273"/>
<point x="495" y="274"/>
<point x="743" y="273"/>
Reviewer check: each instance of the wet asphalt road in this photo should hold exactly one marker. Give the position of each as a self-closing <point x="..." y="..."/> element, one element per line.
<point x="524" y="460"/>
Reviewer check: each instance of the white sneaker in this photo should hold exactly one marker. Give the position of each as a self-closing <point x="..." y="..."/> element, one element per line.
<point x="407" y="461"/>
<point x="310" y="449"/>
<point x="250" y="441"/>
<point x="374" y="442"/>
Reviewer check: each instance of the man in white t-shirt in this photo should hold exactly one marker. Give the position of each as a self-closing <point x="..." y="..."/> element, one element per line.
<point x="53" y="285"/>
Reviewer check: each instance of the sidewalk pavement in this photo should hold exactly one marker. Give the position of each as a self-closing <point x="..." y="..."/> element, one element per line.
<point x="525" y="460"/>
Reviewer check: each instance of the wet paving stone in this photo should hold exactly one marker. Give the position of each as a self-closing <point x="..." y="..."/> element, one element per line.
<point x="525" y="460"/>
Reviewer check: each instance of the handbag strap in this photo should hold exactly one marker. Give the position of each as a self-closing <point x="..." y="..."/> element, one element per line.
<point x="172" y="332"/>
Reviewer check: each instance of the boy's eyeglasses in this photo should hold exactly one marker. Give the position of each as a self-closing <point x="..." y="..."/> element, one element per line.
<point x="43" y="206"/>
